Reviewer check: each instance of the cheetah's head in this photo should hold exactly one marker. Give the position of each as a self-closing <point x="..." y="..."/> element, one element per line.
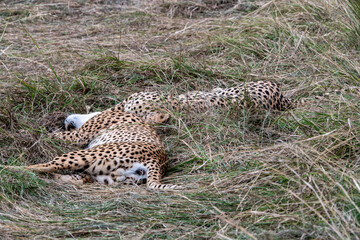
<point x="75" y="121"/>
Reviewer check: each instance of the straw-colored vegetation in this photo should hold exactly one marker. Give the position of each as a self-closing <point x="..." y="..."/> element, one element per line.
<point x="248" y="175"/>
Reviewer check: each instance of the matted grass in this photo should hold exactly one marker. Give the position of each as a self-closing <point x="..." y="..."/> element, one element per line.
<point x="248" y="175"/>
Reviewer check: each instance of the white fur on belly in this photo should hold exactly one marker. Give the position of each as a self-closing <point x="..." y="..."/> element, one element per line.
<point x="131" y="172"/>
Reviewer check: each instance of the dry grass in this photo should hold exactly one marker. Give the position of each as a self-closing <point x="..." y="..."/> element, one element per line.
<point x="249" y="175"/>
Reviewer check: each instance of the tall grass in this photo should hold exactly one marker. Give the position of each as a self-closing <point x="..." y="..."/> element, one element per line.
<point x="354" y="9"/>
<point x="248" y="174"/>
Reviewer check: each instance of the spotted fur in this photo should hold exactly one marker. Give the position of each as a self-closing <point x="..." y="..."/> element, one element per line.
<point x="120" y="146"/>
<point x="154" y="107"/>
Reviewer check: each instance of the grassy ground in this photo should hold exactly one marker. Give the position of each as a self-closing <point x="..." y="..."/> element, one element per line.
<point x="290" y="175"/>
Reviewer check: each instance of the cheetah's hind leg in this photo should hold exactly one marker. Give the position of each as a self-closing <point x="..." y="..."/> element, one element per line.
<point x="73" y="161"/>
<point x="77" y="160"/>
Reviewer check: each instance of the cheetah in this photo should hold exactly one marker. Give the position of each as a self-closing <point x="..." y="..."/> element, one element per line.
<point x="120" y="142"/>
<point x="155" y="107"/>
<point x="119" y="146"/>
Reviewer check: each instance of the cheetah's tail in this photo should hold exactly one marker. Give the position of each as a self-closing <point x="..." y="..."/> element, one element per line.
<point x="153" y="179"/>
<point x="160" y="186"/>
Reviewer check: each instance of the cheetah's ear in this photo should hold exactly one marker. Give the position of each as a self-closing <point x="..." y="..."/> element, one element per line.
<point x="156" y="118"/>
<point x="75" y="121"/>
<point x="69" y="126"/>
